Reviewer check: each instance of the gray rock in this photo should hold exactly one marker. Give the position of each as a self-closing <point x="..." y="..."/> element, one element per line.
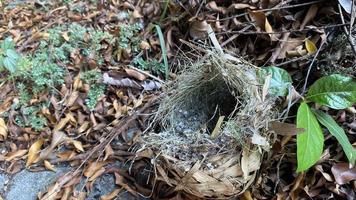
<point x="3" y="179"/>
<point x="25" y="185"/>
<point x="103" y="185"/>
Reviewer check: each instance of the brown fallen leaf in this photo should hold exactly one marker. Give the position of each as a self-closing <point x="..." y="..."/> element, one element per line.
<point x="33" y="152"/>
<point x="49" y="166"/>
<point x="3" y="130"/>
<point x="282" y="128"/>
<point x="119" y="180"/>
<point x="198" y="29"/>
<point x="135" y="74"/>
<point x="97" y="174"/>
<point x="213" y="6"/>
<point x="12" y="155"/>
<point x="127" y="82"/>
<point x="78" y="145"/>
<point x="259" y="18"/>
<point x="57" y="138"/>
<point x="93" y="168"/>
<point x="108" y="152"/>
<point x="313" y="9"/>
<point x="343" y="173"/>
<point x="111" y="195"/>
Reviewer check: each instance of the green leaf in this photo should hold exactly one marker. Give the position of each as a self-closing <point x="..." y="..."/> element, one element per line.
<point x="164" y="51"/>
<point x="8" y="43"/>
<point x="12" y="54"/>
<point x="337" y="132"/>
<point x="280" y="80"/>
<point x="10" y="64"/>
<point x="310" y="143"/>
<point x="334" y="91"/>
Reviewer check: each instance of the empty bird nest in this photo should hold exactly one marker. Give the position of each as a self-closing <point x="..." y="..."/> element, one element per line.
<point x="211" y="130"/>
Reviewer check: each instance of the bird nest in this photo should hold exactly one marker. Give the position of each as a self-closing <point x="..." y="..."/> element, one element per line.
<point x="212" y="129"/>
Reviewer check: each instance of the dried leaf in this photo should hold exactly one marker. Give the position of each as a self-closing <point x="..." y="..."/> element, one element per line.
<point x="3" y="130"/>
<point x="124" y="82"/>
<point x="119" y="180"/>
<point x="57" y="138"/>
<point x="310" y="15"/>
<point x="61" y="124"/>
<point x="239" y="6"/>
<point x="136" y="14"/>
<point x="49" y="166"/>
<point x="111" y="195"/>
<point x="135" y="74"/>
<point x="144" y="45"/>
<point x="213" y="6"/>
<point x="78" y="145"/>
<point x="310" y="46"/>
<point x="250" y="161"/>
<point x="108" y="152"/>
<point x="282" y="128"/>
<point x="259" y="140"/>
<point x="151" y="85"/>
<point x="93" y="168"/>
<point x="198" y="29"/>
<point x="217" y="127"/>
<point x="83" y="127"/>
<point x="34" y="151"/>
<point x="97" y="174"/>
<point x="71" y="100"/>
<point x="268" y="27"/>
<point x="343" y="173"/>
<point x="259" y="18"/>
<point x="12" y="155"/>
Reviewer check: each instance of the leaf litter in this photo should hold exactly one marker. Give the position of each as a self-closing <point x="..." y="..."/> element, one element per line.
<point x="98" y="120"/>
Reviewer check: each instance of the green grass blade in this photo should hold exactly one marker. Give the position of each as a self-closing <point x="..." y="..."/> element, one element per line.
<point x="337" y="132"/>
<point x="164" y="51"/>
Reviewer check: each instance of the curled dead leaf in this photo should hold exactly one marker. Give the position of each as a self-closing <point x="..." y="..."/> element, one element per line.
<point x="33" y="152"/>
<point x="57" y="138"/>
<point x="49" y="166"/>
<point x="198" y="29"/>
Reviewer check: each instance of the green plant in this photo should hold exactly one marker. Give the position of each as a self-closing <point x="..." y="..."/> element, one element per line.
<point x="127" y="33"/>
<point x="8" y="56"/>
<point x="96" y="89"/>
<point x="164" y="51"/>
<point x="334" y="91"/>
<point x="153" y="65"/>
<point x="30" y="118"/>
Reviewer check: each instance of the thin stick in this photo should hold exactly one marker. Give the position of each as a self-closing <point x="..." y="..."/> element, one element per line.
<point x="147" y="74"/>
<point x="348" y="34"/>
<point x="272" y="9"/>
<point x="309" y="68"/>
<point x="352" y="17"/>
<point x="293" y="60"/>
<point x="286" y="31"/>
